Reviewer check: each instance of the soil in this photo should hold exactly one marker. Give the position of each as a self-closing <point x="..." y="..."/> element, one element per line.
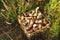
<point x="13" y="31"/>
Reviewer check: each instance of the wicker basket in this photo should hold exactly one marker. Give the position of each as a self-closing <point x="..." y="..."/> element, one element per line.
<point x="33" y="23"/>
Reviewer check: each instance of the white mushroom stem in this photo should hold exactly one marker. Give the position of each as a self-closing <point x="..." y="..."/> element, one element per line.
<point x="35" y="14"/>
<point x="34" y="25"/>
<point x="22" y="17"/>
<point x="36" y="21"/>
<point x="26" y="19"/>
<point x="40" y="21"/>
<point x="37" y="9"/>
<point x="31" y="22"/>
<point x="32" y="11"/>
<point x="30" y="14"/>
<point x="40" y="26"/>
<point x="39" y="14"/>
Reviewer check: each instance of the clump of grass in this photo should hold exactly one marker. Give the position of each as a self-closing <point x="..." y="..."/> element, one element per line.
<point x="13" y="8"/>
<point x="10" y="11"/>
<point x="53" y="14"/>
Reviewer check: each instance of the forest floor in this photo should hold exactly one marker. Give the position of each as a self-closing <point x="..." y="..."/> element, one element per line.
<point x="10" y="9"/>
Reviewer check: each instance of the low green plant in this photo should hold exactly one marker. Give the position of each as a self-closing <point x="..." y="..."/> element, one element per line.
<point x="13" y="8"/>
<point x="53" y="14"/>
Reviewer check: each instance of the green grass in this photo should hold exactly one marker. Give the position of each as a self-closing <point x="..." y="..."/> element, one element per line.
<point x="53" y="14"/>
<point x="13" y="8"/>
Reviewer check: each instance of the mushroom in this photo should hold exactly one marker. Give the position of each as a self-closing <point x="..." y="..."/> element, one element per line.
<point x="22" y="17"/>
<point x="35" y="14"/>
<point x="31" y="22"/>
<point x="39" y="16"/>
<point x="34" y="25"/>
<point x="39" y="21"/>
<point x="40" y="25"/>
<point x="36" y="21"/>
<point x="37" y="9"/>
<point x="30" y="31"/>
<point x="30" y="14"/>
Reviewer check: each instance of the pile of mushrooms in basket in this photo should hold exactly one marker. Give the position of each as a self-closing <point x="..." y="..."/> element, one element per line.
<point x="32" y="22"/>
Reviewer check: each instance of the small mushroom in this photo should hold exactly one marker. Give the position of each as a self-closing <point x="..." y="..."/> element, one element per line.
<point x="31" y="22"/>
<point x="39" y="16"/>
<point x="30" y="14"/>
<point x="39" y="21"/>
<point x="36" y="21"/>
<point x="40" y="25"/>
<point x="27" y="20"/>
<point x="35" y="14"/>
<point x="34" y="25"/>
<point x="31" y="31"/>
<point x="34" y="17"/>
<point x="22" y="17"/>
<point x="28" y="28"/>
<point x="37" y="9"/>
